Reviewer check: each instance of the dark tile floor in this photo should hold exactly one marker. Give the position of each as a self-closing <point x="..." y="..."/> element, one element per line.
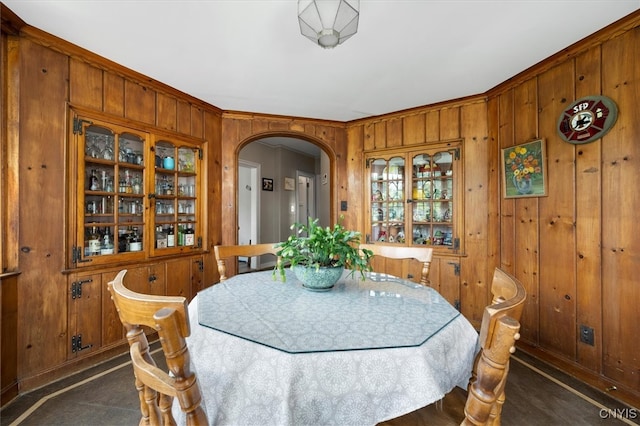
<point x="537" y="394"/>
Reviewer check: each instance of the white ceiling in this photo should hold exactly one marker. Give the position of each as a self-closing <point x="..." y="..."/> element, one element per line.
<point x="249" y="55"/>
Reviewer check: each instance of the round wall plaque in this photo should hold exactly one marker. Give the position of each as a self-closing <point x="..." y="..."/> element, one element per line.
<point x="587" y="119"/>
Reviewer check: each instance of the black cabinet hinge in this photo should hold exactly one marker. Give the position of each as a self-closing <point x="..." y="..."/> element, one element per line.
<point x="456" y="154"/>
<point x="456" y="304"/>
<point x="77" y="125"/>
<point x="76" y="344"/>
<point x="200" y="263"/>
<point x="76" y="255"/>
<point x="200" y="153"/>
<point x="456" y="244"/>
<point x="199" y="245"/>
<point x="456" y="268"/>
<point x="76" y="288"/>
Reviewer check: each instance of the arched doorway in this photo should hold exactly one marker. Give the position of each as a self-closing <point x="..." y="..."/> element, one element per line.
<point x="292" y="180"/>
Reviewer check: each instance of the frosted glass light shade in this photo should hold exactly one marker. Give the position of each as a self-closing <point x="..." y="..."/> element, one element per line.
<point x="328" y="23"/>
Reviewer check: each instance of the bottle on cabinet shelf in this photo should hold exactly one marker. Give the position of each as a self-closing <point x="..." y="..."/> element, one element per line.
<point x="171" y="237"/>
<point x="94" y="184"/>
<point x="135" y="242"/>
<point x="161" y="237"/>
<point x="107" y="244"/>
<point x="189" y="236"/>
<point x="94" y="242"/>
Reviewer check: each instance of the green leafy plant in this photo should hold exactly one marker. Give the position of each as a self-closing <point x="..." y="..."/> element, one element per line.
<point x="315" y="246"/>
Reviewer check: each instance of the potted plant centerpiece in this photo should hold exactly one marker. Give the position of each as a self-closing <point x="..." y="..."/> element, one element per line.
<point x="318" y="255"/>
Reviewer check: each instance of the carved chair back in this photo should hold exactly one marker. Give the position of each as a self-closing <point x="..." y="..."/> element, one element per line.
<point x="498" y="334"/>
<point x="157" y="388"/>
<point x="421" y="254"/>
<point x="223" y="253"/>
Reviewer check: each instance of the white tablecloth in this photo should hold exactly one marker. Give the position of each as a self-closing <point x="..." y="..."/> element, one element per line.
<point x="247" y="383"/>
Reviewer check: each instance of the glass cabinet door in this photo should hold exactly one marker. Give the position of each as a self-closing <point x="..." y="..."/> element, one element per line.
<point x="432" y="192"/>
<point x="414" y="204"/>
<point x="111" y="203"/>
<point x="387" y="177"/>
<point x="176" y="185"/>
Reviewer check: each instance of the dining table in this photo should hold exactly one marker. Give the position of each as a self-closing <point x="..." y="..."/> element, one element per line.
<point x="272" y="352"/>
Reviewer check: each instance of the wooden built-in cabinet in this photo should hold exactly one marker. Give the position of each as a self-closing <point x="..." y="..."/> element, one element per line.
<point x="413" y="197"/>
<point x="93" y="320"/>
<point x="135" y="203"/>
<point x="137" y="193"/>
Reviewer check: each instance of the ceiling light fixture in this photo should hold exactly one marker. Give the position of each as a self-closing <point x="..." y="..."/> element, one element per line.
<point x="328" y="23"/>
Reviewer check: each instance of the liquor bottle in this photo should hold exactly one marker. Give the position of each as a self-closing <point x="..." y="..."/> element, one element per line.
<point x="94" y="242"/>
<point x="135" y="242"/>
<point x="123" y="240"/>
<point x="161" y="237"/>
<point x="189" y="236"/>
<point x="94" y="185"/>
<point x="180" y="235"/>
<point x="107" y="243"/>
<point x="171" y="237"/>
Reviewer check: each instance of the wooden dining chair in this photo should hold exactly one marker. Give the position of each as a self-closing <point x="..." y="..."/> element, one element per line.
<point x="156" y="388"/>
<point x="421" y="254"/>
<point x="224" y="252"/>
<point x="482" y="402"/>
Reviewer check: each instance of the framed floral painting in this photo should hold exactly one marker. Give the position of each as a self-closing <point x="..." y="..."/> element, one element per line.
<point x="524" y="170"/>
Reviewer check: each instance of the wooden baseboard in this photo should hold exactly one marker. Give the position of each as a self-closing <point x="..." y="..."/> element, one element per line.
<point x="71" y="367"/>
<point x="615" y="390"/>
<point x="9" y="393"/>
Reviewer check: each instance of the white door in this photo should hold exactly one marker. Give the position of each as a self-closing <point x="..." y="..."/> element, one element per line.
<point x="248" y="207"/>
<point x="305" y="196"/>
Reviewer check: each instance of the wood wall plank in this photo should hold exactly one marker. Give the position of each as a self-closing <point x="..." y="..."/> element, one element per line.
<point x="380" y="134"/>
<point x="474" y="289"/>
<point x="494" y="245"/>
<point x="139" y="102"/>
<point x="357" y="206"/>
<point x="620" y="204"/>
<point x="394" y="133"/>
<point x="432" y="126"/>
<point x="85" y="85"/>
<point x="557" y="218"/>
<point x="589" y="221"/>
<point x="167" y="112"/>
<point x="184" y="117"/>
<point x="197" y="123"/>
<point x="450" y="123"/>
<point x="414" y="128"/>
<point x="526" y="215"/>
<point x="507" y="206"/>
<point x="368" y="135"/>
<point x="42" y="209"/>
<point x="113" y="94"/>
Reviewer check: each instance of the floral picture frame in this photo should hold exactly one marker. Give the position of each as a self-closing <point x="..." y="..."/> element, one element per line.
<point x="524" y="170"/>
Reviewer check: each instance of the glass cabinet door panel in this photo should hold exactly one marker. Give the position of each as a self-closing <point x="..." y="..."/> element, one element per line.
<point x="387" y="196"/>
<point x="433" y="198"/>
<point x="176" y="188"/>
<point x="110" y="191"/>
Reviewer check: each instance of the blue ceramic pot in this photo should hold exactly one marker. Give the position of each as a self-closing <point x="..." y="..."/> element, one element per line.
<point x="321" y="279"/>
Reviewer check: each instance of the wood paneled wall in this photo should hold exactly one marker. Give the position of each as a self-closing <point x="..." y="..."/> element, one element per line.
<point x="576" y="250"/>
<point x="44" y="79"/>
